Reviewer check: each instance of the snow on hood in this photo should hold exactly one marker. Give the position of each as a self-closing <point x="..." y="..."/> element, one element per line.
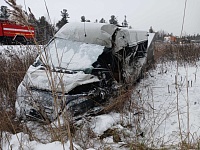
<point x="71" y="55"/>
<point x="62" y="54"/>
<point x="87" y="32"/>
<point x="40" y="79"/>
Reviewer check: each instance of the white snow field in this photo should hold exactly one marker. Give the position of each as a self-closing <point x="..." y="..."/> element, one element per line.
<point x="173" y="103"/>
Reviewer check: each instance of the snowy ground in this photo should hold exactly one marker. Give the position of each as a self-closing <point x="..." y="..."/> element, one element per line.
<point x="157" y="94"/>
<point x="19" y="50"/>
<point x="161" y="96"/>
<point x="166" y="98"/>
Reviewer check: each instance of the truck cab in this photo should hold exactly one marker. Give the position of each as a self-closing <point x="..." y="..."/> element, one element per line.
<point x="15" y="34"/>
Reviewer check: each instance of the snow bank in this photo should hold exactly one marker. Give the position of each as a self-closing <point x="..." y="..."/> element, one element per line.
<point x="103" y="122"/>
<point x="9" y="51"/>
<point x="159" y="94"/>
<point x="21" y="141"/>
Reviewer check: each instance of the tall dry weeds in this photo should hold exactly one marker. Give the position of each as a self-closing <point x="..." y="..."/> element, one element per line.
<point x="185" y="53"/>
<point x="12" y="72"/>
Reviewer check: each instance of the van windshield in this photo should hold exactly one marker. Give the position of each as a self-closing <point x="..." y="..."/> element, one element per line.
<point x="71" y="55"/>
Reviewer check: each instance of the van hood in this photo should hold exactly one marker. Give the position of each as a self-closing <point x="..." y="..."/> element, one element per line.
<point x="70" y="55"/>
<point x="41" y="79"/>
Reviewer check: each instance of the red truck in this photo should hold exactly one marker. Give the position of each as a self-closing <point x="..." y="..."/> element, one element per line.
<point x="12" y="33"/>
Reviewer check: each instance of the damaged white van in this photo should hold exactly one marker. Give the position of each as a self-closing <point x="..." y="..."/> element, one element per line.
<point x="84" y="65"/>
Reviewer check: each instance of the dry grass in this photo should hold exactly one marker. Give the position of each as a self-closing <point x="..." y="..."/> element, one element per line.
<point x="12" y="72"/>
<point x="187" y="53"/>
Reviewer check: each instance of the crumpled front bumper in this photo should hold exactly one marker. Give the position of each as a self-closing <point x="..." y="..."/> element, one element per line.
<point x="35" y="104"/>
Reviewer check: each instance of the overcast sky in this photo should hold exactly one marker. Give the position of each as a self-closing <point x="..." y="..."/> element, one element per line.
<point x="141" y="14"/>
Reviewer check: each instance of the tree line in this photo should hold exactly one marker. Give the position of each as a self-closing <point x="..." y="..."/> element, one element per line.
<point x="159" y="36"/>
<point x="44" y="30"/>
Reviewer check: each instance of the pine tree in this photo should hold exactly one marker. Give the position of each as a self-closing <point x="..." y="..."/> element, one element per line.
<point x="113" y="20"/>
<point x="83" y="19"/>
<point x="3" y="12"/>
<point x="151" y="30"/>
<point x="31" y="18"/>
<point x="102" y="20"/>
<point x="44" y="30"/>
<point x="125" y="23"/>
<point x="64" y="19"/>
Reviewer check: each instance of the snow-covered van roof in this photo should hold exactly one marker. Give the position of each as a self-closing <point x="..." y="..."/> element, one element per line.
<point x="101" y="34"/>
<point x="93" y="33"/>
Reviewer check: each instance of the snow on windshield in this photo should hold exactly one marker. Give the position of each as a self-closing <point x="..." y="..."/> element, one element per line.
<point x="71" y="55"/>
